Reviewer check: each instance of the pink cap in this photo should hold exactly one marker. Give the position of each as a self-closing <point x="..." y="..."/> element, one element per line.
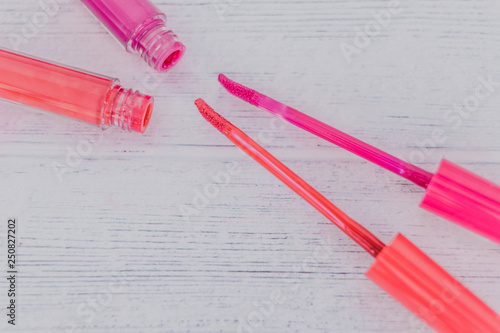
<point x="466" y="199"/>
<point x="427" y="290"/>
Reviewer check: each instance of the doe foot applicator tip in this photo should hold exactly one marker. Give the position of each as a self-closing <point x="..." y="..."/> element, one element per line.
<point x="210" y="115"/>
<point x="239" y="90"/>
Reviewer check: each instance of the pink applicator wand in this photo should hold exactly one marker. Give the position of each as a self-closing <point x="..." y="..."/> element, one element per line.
<point x="400" y="268"/>
<point x="452" y="192"/>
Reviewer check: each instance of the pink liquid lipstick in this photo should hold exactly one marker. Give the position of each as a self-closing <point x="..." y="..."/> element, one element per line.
<point x="452" y="192"/>
<point x="141" y="28"/>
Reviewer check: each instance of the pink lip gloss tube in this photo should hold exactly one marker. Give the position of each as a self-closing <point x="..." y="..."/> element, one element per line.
<point x="141" y="28"/>
<point x="92" y="98"/>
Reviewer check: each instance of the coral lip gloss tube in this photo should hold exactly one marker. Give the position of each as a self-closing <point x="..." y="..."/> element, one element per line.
<point x="141" y="28"/>
<point x="70" y="92"/>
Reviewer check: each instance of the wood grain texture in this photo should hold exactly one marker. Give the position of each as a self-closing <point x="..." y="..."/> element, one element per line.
<point x="110" y="248"/>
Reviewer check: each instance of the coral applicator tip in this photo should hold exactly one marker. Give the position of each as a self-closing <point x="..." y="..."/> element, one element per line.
<point x="211" y="116"/>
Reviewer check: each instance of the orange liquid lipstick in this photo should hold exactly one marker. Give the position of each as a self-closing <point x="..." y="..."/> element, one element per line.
<point x="91" y="98"/>
<point x="400" y="268"/>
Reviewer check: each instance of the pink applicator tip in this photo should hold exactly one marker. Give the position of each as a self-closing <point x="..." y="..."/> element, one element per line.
<point x="239" y="90"/>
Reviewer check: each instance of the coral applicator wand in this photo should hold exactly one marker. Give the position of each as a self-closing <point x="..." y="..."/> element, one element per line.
<point x="400" y="268"/>
<point x="452" y="192"/>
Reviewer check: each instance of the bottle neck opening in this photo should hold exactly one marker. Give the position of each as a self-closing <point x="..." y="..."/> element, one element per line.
<point x="127" y="109"/>
<point x="158" y="46"/>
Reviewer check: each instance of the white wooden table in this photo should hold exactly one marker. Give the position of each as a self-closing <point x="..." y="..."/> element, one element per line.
<point x="109" y="247"/>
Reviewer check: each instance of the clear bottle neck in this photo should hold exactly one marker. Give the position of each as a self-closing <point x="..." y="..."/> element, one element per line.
<point x="157" y="45"/>
<point x="127" y="109"/>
